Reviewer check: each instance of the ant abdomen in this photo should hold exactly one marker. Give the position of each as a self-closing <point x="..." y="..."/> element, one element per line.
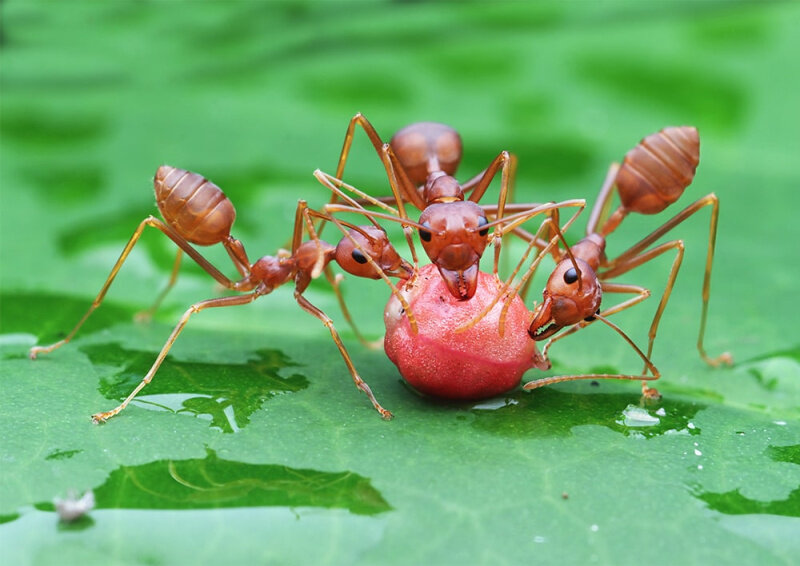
<point x="655" y="173"/>
<point x="423" y="147"/>
<point x="193" y="205"/>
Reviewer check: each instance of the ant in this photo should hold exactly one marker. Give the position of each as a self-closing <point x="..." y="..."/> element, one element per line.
<point x="501" y="225"/>
<point x="420" y="161"/>
<point x="196" y="211"/>
<point x="653" y="175"/>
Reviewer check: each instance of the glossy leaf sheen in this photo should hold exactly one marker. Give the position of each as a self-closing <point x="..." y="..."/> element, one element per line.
<point x="251" y="445"/>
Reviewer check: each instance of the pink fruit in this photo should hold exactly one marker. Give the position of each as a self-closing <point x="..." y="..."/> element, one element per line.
<point x="473" y="364"/>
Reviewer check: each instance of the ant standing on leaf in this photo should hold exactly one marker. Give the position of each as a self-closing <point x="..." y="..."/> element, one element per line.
<point x="653" y="175"/>
<point x="197" y="212"/>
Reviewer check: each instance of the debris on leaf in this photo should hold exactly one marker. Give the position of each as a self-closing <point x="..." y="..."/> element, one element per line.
<point x="72" y="508"/>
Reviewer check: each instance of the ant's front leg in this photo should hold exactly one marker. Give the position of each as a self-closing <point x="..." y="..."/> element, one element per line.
<point x="326" y="320"/>
<point x="647" y="392"/>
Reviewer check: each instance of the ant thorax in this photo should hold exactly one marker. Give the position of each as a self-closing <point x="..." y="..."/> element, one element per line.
<point x="442" y="188"/>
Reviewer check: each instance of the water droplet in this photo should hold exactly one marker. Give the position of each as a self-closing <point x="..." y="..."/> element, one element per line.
<point x="637" y="416"/>
<point x="673" y="431"/>
<point x="497" y="403"/>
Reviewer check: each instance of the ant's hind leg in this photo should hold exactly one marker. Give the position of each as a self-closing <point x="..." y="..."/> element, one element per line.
<point x="601" y="209"/>
<point x="175" y="237"/>
<point x="147" y="315"/>
<point x="195" y="308"/>
<point x="636" y="255"/>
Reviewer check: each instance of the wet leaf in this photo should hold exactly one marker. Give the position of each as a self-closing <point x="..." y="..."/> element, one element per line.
<point x="251" y="444"/>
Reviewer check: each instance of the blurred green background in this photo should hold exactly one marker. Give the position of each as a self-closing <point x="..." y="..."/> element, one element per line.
<point x="252" y="445"/>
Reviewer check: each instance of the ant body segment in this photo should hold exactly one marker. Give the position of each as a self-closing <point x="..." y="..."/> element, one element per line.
<point x="196" y="211"/>
<point x="420" y="161"/>
<point x="654" y="174"/>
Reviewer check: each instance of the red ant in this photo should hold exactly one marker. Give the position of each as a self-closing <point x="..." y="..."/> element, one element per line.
<point x="420" y="161"/>
<point x="653" y="175"/>
<point x="196" y="211"/>
<point x="501" y="225"/>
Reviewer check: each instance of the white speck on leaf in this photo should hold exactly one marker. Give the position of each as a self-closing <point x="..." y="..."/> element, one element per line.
<point x="71" y="509"/>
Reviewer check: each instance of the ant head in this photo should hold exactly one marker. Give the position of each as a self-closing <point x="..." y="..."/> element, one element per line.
<point x="454" y="241"/>
<point x="425" y="147"/>
<point x="571" y="295"/>
<point x="373" y="242"/>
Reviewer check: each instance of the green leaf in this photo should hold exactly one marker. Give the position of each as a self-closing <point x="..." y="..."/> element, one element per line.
<point x="251" y="444"/>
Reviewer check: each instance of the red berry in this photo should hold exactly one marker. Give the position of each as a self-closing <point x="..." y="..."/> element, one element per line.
<point x="473" y="364"/>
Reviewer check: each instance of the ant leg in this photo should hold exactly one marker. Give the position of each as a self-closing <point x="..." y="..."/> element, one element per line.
<point x="325" y="319"/>
<point x="195" y="308"/>
<point x="641" y="294"/>
<point x="336" y="185"/>
<point x="175" y="237"/>
<point x="373" y="136"/>
<point x="394" y="170"/>
<point x="507" y="164"/>
<point x="514" y="208"/>
<point x="602" y="205"/>
<point x="146" y="315"/>
<point x="238" y="255"/>
<point x="632" y="258"/>
<point x="503" y="291"/>
<point x="341" y="225"/>
<point x="469" y="186"/>
<point x="335" y="282"/>
<point x="673" y="273"/>
<point x="368" y="128"/>
<point x="513" y="221"/>
<point x="505" y="161"/>
<point x="647" y="392"/>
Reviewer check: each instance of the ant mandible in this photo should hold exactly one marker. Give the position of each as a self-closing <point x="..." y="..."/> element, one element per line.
<point x="420" y="161"/>
<point x="653" y="175"/>
<point x="196" y="211"/>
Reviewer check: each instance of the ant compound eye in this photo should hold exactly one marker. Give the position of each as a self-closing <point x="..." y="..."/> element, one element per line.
<point x="359" y="257"/>
<point x="424" y="235"/>
<point x="483" y="222"/>
<point x="570" y="276"/>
